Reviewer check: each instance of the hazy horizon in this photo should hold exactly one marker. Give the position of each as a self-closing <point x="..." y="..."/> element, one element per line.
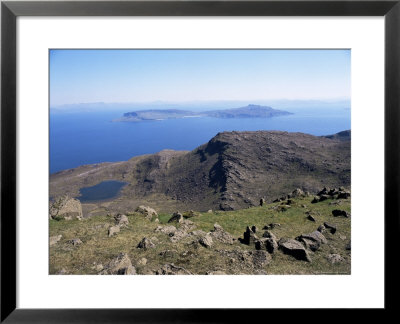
<point x="200" y="105"/>
<point x="82" y="77"/>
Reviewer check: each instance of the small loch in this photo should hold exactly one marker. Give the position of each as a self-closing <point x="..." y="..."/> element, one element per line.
<point x="105" y="190"/>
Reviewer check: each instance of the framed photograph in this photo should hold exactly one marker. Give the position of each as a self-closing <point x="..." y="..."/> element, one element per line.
<point x="165" y="155"/>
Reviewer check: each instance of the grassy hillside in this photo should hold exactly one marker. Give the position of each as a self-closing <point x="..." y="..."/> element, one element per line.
<point x="97" y="249"/>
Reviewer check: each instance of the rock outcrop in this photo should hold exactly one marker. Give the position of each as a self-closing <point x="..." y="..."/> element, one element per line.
<point x="145" y="244"/>
<point x="177" y="217"/>
<point x="335" y="258"/>
<point x="206" y="241"/>
<point x="113" y="230"/>
<point x="313" y="240"/>
<point x="121" y="220"/>
<point x="294" y="248"/>
<point x="249" y="236"/>
<point x="66" y="208"/>
<point x="147" y="211"/>
<point x="221" y="235"/>
<point x="75" y="241"/>
<point x="332" y="228"/>
<point x="54" y="239"/>
<point x="338" y="213"/>
<point x="121" y="265"/>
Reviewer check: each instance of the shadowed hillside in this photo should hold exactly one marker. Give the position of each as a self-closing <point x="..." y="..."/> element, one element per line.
<point x="232" y="171"/>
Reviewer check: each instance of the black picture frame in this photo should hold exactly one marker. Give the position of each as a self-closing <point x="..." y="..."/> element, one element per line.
<point x="10" y="10"/>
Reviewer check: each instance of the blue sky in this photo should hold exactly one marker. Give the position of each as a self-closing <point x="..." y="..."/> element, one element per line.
<point x="118" y="76"/>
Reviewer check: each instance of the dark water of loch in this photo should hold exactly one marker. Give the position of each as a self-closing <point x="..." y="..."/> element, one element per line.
<point x="103" y="191"/>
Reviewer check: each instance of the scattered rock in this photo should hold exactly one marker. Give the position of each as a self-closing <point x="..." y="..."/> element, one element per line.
<point x="348" y="246"/>
<point x="344" y="195"/>
<point x="338" y="213"/>
<point x="249" y="237"/>
<point x="324" y="197"/>
<point x="294" y="248"/>
<point x="209" y="211"/>
<point x="177" y="217"/>
<point x="206" y="241"/>
<point x="171" y="269"/>
<point x="324" y="191"/>
<point x="198" y="233"/>
<point x="66" y="208"/>
<point x="63" y="271"/>
<point x="335" y="258"/>
<point x="258" y="258"/>
<point x="225" y="207"/>
<point x="98" y="267"/>
<point x="260" y="244"/>
<point x="271" y="245"/>
<point x="113" y="229"/>
<point x="331" y="227"/>
<point x="313" y="240"/>
<point x="75" y="241"/>
<point x="168" y="254"/>
<point x="268" y="234"/>
<point x="315" y="200"/>
<point x="311" y="218"/>
<point x="121" y="220"/>
<point x="147" y="212"/>
<point x="187" y="225"/>
<point x="121" y="265"/>
<point x="177" y="235"/>
<point x="262" y="202"/>
<point x="142" y="261"/>
<point x="333" y="192"/>
<point x="169" y="229"/>
<point x="145" y="244"/>
<point x="282" y="208"/>
<point x="342" y="237"/>
<point x="297" y="193"/>
<point x="321" y="228"/>
<point x="271" y="226"/>
<point x="190" y="214"/>
<point x="288" y="202"/>
<point x="55" y="239"/>
<point x="221" y="235"/>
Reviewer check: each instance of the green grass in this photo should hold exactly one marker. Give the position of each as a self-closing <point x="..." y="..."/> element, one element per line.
<point x="98" y="248"/>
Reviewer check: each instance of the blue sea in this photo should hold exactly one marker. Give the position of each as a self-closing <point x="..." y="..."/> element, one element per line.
<point x="78" y="138"/>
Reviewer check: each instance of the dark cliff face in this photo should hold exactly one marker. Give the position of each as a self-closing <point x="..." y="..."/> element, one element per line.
<point x="343" y="136"/>
<point x="235" y="169"/>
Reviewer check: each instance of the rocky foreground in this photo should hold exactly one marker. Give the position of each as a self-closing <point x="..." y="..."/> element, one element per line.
<point x="296" y="234"/>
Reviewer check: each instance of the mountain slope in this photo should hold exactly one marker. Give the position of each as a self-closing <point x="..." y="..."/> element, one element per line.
<point x="233" y="170"/>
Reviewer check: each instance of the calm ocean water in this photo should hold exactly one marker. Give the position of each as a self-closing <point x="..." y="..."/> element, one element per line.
<point x="86" y="138"/>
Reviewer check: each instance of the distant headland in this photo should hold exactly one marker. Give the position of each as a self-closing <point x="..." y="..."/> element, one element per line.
<point x="249" y="111"/>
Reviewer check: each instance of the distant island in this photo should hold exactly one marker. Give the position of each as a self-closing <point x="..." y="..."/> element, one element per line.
<point x="249" y="111"/>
